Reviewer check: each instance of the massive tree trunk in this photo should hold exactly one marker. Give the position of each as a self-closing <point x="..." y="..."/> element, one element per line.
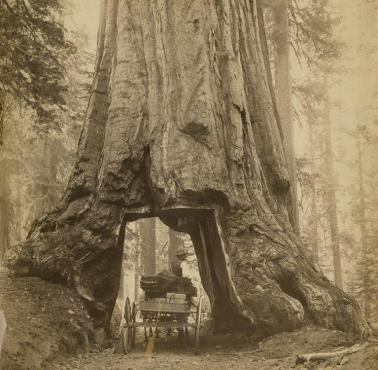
<point x="182" y="124"/>
<point x="280" y="35"/>
<point x="331" y="191"/>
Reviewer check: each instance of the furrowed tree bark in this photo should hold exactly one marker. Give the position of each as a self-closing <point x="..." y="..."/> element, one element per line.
<point x="182" y="124"/>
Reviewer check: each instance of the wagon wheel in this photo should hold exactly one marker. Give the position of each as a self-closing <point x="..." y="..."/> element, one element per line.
<point x="133" y="319"/>
<point x="127" y="311"/>
<point x="128" y="332"/>
<point x="198" y="324"/>
<point x="125" y="336"/>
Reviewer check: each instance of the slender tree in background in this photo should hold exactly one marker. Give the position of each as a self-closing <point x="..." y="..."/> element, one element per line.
<point x="364" y="284"/>
<point x="137" y="265"/>
<point x="4" y="190"/>
<point x="17" y="219"/>
<point x="282" y="84"/>
<point x="366" y="113"/>
<point x="313" y="179"/>
<point x="311" y="37"/>
<point x="196" y="142"/>
<point x="314" y="218"/>
<point x="331" y="189"/>
<point x="362" y="222"/>
<point x="358" y="271"/>
<point x="147" y="229"/>
<point x="306" y="28"/>
<point x="4" y="205"/>
<point x="45" y="184"/>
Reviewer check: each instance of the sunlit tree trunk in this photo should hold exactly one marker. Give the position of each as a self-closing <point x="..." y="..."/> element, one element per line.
<point x="4" y="195"/>
<point x="314" y="218"/>
<point x="122" y="285"/>
<point x="362" y="225"/>
<point x="137" y="265"/>
<point x="45" y="189"/>
<point x="182" y="125"/>
<point x="3" y="110"/>
<point x="366" y="90"/>
<point x="147" y="229"/>
<point x="331" y="191"/>
<point x="280" y="34"/>
<point x="18" y="216"/>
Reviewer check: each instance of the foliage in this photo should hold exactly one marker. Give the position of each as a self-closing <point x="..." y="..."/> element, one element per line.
<point x="40" y="162"/>
<point x="364" y="214"/>
<point x="311" y="30"/>
<point x="33" y="48"/>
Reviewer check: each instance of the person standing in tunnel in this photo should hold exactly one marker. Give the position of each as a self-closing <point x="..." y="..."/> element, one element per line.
<point x="176" y="265"/>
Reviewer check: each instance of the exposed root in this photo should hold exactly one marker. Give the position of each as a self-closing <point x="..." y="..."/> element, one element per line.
<point x="321" y="356"/>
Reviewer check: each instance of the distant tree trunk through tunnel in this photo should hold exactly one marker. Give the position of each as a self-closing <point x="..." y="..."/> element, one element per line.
<point x="147" y="229"/>
<point x="182" y="124"/>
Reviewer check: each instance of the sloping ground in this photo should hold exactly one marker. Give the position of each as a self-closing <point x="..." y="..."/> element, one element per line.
<point x="231" y="352"/>
<point x="49" y="330"/>
<point x="44" y="322"/>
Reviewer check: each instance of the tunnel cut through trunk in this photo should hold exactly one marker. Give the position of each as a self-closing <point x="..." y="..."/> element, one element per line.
<point x="212" y="259"/>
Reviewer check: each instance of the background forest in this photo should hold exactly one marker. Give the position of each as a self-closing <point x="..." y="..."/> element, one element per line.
<point x="323" y="58"/>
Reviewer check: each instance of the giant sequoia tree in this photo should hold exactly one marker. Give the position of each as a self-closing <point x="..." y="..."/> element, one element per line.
<point x="182" y="124"/>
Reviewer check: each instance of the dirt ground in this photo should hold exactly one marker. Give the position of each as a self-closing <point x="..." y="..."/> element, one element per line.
<point x="48" y="330"/>
<point x="230" y="352"/>
<point x="44" y="322"/>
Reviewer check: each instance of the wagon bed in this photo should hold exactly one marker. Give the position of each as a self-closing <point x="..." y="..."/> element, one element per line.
<point x="160" y="313"/>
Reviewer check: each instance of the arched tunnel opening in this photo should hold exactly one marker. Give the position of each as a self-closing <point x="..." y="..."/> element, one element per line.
<point x="146" y="242"/>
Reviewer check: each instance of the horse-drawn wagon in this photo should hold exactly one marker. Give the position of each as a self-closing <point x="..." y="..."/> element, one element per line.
<point x="169" y="310"/>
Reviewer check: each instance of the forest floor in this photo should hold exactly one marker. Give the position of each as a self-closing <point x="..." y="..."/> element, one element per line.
<point x="46" y="323"/>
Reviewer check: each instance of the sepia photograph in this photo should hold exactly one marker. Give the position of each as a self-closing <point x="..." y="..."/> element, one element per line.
<point x="188" y="184"/>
